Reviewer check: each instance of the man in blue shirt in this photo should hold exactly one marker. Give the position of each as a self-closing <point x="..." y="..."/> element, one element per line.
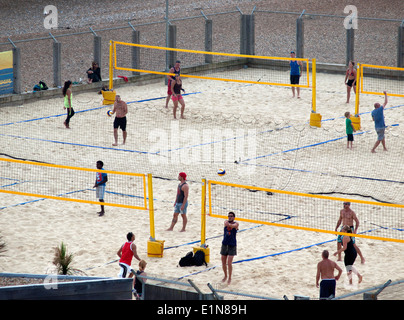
<point x="101" y="179"/>
<point x="378" y="118"/>
<point x="295" y="72"/>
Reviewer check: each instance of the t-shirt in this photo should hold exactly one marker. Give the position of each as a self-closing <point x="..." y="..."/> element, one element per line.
<point x="349" y="129"/>
<point x="100" y="177"/>
<point x="378" y="117"/>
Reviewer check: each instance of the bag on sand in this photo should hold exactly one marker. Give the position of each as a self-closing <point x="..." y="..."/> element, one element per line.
<point x="199" y="258"/>
<point x="187" y="261"/>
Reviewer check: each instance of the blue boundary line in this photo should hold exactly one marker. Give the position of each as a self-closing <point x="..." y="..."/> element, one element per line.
<point x="63" y="194"/>
<point x="323" y="173"/>
<point x="41" y="199"/>
<point x="77" y="144"/>
<point x="186" y="147"/>
<point x="213" y="237"/>
<point x="310" y="145"/>
<point x="87" y="110"/>
<point x="268" y="255"/>
<point x="271" y="130"/>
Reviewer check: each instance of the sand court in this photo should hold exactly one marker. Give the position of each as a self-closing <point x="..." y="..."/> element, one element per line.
<point x="261" y="127"/>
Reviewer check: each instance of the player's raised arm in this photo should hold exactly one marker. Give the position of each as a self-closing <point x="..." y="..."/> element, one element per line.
<point x="385" y="99"/>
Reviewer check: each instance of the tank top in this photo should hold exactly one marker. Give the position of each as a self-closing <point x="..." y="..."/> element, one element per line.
<point x="350" y="249"/>
<point x="180" y="194"/>
<point x="176" y="72"/>
<point x="177" y="88"/>
<point x="127" y="254"/>
<point x="229" y="238"/>
<point x="138" y="284"/>
<point x="67" y="100"/>
<point x="294" y="68"/>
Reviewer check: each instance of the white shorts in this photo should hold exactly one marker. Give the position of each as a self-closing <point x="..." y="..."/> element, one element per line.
<point x="125" y="270"/>
<point x="100" y="191"/>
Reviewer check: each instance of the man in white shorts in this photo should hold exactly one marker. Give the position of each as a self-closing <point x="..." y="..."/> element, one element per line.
<point x="100" y="181"/>
<point x="126" y="252"/>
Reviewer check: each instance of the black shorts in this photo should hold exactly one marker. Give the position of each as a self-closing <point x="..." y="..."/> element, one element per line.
<point x="350" y="83"/>
<point x="294" y="79"/>
<point x="226" y="250"/>
<point x="120" y="122"/>
<point x="350" y="137"/>
<point x="327" y="288"/>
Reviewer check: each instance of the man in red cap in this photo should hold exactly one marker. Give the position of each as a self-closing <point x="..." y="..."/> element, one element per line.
<point x="181" y="202"/>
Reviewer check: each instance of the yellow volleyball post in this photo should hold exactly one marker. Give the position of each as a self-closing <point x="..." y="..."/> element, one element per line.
<point x="109" y="96"/>
<point x="111" y="67"/>
<point x="315" y="118"/>
<point x="155" y="247"/>
<point x="203" y="245"/>
<point x="356" y="120"/>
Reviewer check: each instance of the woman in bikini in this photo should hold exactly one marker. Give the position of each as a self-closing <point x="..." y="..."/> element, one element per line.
<point x="350" y="79"/>
<point x="176" y="88"/>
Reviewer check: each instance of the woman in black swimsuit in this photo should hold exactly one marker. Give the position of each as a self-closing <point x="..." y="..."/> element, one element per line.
<point x="176" y="88"/>
<point x="350" y="254"/>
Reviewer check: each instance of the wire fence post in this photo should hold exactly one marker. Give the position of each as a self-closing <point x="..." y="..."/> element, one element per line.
<point x="300" y="36"/>
<point x="400" y="46"/>
<point x="16" y="68"/>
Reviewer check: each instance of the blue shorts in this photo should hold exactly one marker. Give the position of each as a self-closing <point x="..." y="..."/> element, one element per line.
<point x="177" y="208"/>
<point x="380" y="133"/>
<point x="340" y="236"/>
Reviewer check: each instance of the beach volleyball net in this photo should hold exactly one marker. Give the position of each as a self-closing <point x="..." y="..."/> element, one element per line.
<point x="37" y="181"/>
<point x="146" y="59"/>
<point x="376" y="79"/>
<point x="316" y="213"/>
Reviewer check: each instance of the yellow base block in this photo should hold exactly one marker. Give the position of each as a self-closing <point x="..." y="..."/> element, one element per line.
<point x="356" y="122"/>
<point x="155" y="248"/>
<point x="205" y="250"/>
<point x="109" y="97"/>
<point x="315" y="120"/>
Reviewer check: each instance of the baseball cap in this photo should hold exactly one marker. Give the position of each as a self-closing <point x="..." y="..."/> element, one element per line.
<point x="184" y="175"/>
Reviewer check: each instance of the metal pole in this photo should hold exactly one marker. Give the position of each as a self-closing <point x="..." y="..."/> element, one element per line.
<point x="314" y="85"/>
<point x="151" y="207"/>
<point x="358" y="88"/>
<point x="167" y="52"/>
<point x="111" y="69"/>
<point x="203" y="213"/>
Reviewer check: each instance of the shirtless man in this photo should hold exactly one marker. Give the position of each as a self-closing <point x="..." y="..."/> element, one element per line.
<point x="121" y="109"/>
<point x="347" y="217"/>
<point x="325" y="270"/>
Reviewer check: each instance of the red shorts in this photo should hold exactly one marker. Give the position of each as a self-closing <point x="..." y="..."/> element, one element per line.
<point x="177" y="97"/>
<point x="169" y="92"/>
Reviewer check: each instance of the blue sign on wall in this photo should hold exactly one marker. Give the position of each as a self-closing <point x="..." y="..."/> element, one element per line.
<point x="6" y="72"/>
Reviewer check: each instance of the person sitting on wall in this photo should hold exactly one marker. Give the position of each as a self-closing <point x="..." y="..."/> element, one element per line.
<point x="94" y="73"/>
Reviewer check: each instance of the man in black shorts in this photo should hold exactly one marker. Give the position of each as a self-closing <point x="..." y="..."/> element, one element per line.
<point x="325" y="271"/>
<point x="120" y="109"/>
<point x="229" y="246"/>
<point x="296" y="67"/>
